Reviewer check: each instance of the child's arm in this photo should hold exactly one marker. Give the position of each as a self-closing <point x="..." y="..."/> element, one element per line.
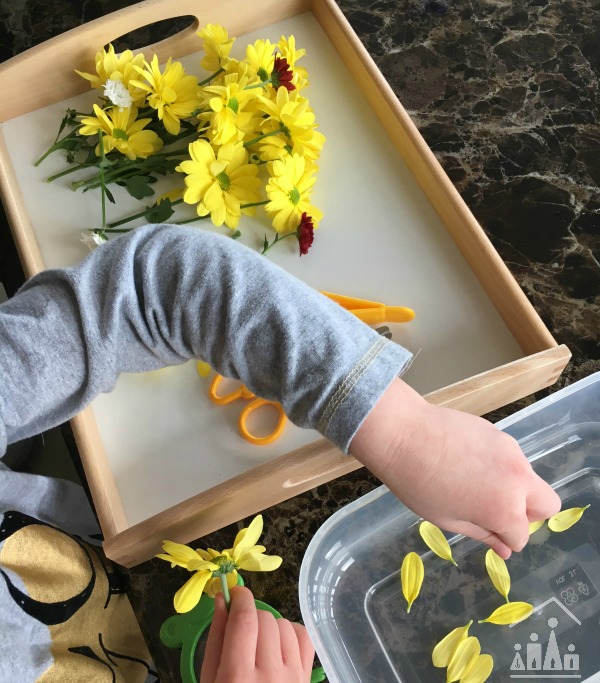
<point x="454" y="469"/>
<point x="162" y="295"/>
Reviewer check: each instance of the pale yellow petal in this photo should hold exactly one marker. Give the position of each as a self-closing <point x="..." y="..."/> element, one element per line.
<point x="411" y="575"/>
<point x="444" y="650"/>
<point x="498" y="573"/>
<point x="465" y="654"/>
<point x="249" y="539"/>
<point x="480" y="670"/>
<point x="534" y="526"/>
<point x="435" y="540"/>
<point x="188" y="596"/>
<point x="509" y="614"/>
<point x="566" y="519"/>
<point x="257" y="562"/>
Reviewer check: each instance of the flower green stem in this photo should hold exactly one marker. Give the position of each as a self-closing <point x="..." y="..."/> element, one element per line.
<point x="72" y="169"/>
<point x="259" y="85"/>
<point x="135" y="216"/>
<point x="209" y="79"/>
<point x="225" y="588"/>
<point x="191" y="220"/>
<point x="277" y="240"/>
<point x="54" y="146"/>
<point x="103" y="193"/>
<point x="247" y="206"/>
<point x="264" y="135"/>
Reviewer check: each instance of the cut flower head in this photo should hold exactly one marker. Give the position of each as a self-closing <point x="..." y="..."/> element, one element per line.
<point x="289" y="189"/>
<point x="121" y="130"/>
<point x="217" y="46"/>
<point x="211" y="567"/>
<point x="117" y="67"/>
<point x="173" y="93"/>
<point x="220" y="184"/>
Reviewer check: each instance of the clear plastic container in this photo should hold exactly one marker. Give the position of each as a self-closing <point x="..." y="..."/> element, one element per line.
<point x="350" y="592"/>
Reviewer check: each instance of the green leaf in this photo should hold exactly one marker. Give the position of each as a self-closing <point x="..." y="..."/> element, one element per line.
<point x="159" y="212"/>
<point x="138" y="186"/>
<point x="236" y="235"/>
<point x="109" y="195"/>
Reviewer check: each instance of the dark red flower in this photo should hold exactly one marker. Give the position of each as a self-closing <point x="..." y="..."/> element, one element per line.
<point x="282" y="74"/>
<point x="305" y="233"/>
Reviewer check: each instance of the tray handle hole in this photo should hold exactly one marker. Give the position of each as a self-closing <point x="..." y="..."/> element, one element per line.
<point x="157" y="31"/>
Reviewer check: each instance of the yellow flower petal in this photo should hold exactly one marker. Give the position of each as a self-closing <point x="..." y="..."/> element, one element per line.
<point x="445" y="649"/>
<point x="534" y="526"/>
<point x="464" y="656"/>
<point x="496" y="568"/>
<point x="566" y="519"/>
<point x="257" y="562"/>
<point x="411" y="575"/>
<point x="509" y="614"/>
<point x="436" y="541"/>
<point x="203" y="368"/>
<point x="180" y="554"/>
<point x="479" y="671"/>
<point x="200" y="565"/>
<point x="245" y="541"/>
<point x="188" y="596"/>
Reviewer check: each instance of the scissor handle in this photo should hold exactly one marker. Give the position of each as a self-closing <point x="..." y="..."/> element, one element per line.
<point x="241" y="392"/>
<point x="251" y="407"/>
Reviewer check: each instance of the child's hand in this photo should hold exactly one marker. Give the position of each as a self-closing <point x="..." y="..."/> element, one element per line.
<point x="248" y="645"/>
<point x="454" y="469"/>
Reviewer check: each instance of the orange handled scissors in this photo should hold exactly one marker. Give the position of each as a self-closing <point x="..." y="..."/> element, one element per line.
<point x="242" y="392"/>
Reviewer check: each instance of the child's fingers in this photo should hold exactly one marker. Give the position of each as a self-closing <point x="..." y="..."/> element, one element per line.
<point x="268" y="646"/>
<point x="214" y="642"/>
<point x="241" y="633"/>
<point x="307" y="650"/>
<point x="290" y="648"/>
<point x="542" y="501"/>
<point x="480" y="534"/>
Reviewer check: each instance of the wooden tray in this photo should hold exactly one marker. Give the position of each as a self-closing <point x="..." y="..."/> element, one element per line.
<point x="160" y="459"/>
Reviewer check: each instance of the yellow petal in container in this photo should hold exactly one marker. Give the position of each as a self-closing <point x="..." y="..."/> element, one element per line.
<point x="509" y="614"/>
<point x="466" y="653"/>
<point x="436" y="540"/>
<point x="564" y="520"/>
<point x="411" y="575"/>
<point x="445" y="649"/>
<point x="496" y="568"/>
<point x="479" y="671"/>
<point x="534" y="526"/>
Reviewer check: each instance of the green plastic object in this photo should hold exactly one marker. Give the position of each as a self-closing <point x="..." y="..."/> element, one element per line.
<point x="183" y="631"/>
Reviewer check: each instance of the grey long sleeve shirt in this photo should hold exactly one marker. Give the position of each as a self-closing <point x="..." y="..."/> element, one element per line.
<point x="162" y="295"/>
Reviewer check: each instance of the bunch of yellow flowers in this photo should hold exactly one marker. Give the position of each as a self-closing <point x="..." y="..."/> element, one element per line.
<point x="251" y="138"/>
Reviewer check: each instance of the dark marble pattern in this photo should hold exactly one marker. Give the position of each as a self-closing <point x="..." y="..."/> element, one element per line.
<point x="507" y="94"/>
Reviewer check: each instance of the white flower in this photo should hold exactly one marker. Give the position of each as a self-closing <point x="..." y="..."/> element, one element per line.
<point x="118" y="94"/>
<point x="93" y="239"/>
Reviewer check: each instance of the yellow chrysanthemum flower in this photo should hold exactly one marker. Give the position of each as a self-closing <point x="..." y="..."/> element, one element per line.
<point x="287" y="47"/>
<point x="216" y="44"/>
<point x="209" y="565"/>
<point x="172" y="93"/>
<point x="288" y="190"/>
<point x="260" y="57"/>
<point x="228" y="119"/>
<point x="121" y="130"/>
<point x="117" y="67"/>
<point x="290" y="113"/>
<point x="220" y="184"/>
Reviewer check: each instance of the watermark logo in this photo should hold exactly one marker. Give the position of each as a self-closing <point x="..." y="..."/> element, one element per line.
<point x="533" y="660"/>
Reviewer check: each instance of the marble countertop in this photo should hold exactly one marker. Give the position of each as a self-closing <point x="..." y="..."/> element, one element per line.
<point x="507" y="95"/>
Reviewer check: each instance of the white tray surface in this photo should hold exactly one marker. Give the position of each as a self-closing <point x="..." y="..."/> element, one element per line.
<point x="380" y="240"/>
